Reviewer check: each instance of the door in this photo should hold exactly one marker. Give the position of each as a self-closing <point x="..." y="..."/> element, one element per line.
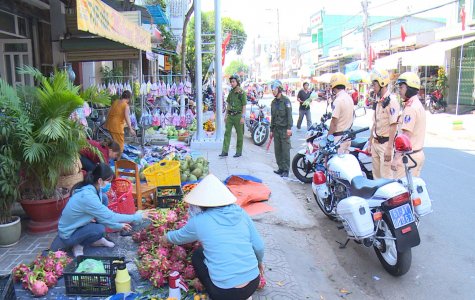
<point x="15" y="53"/>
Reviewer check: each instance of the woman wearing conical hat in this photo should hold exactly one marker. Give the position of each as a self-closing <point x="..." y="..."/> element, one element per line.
<point x="230" y="262"/>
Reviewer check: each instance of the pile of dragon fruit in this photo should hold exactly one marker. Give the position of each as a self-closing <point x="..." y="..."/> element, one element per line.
<point x="43" y="273"/>
<point x="157" y="260"/>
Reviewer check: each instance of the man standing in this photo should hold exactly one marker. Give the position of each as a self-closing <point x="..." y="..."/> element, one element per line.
<point x="384" y="127"/>
<point x="235" y="114"/>
<point x="412" y="123"/>
<point x="281" y="128"/>
<point x="303" y="95"/>
<point x="342" y="115"/>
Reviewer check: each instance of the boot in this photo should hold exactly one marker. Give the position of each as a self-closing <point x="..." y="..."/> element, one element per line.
<point x="223" y="154"/>
<point x="278" y="172"/>
<point x="237" y="155"/>
<point x="284" y="174"/>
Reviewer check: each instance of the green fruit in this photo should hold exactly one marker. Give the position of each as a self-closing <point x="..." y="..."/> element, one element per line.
<point x="200" y="160"/>
<point x="192" y="178"/>
<point x="198" y="166"/>
<point x="184" y="178"/>
<point x="187" y="173"/>
<point x="197" y="172"/>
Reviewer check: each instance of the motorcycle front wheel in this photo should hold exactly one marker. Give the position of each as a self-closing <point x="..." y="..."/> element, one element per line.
<point x="260" y="134"/>
<point x="394" y="262"/>
<point x="302" y="169"/>
<point x="327" y="211"/>
<point x="432" y="107"/>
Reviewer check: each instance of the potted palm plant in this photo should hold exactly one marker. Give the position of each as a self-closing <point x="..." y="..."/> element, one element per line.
<point x="14" y="125"/>
<point x="52" y="145"/>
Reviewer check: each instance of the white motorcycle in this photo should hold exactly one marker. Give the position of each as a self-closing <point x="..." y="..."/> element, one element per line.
<point x="383" y="214"/>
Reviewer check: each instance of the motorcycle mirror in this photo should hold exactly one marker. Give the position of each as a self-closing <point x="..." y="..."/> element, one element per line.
<point x="322" y="144"/>
<point x="331" y="138"/>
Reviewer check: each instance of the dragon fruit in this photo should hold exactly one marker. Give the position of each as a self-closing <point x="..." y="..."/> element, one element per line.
<point x="39" y="288"/>
<point x="161" y="230"/>
<point x="48" y="264"/>
<point x="165" y="265"/>
<point x="262" y="282"/>
<point x="197" y="285"/>
<point x="189" y="272"/>
<point x="142" y="250"/>
<point x="50" y="279"/>
<point x="27" y="279"/>
<point x="172" y="216"/>
<point x="157" y="279"/>
<point x="177" y="266"/>
<point x="179" y="252"/>
<point x="20" y="271"/>
<point x="60" y="254"/>
<point x="163" y="251"/>
<point x="58" y="269"/>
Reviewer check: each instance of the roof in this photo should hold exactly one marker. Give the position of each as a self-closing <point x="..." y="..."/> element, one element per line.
<point x="158" y="15"/>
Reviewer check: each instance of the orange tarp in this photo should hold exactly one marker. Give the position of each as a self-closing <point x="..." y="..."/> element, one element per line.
<point x="250" y="195"/>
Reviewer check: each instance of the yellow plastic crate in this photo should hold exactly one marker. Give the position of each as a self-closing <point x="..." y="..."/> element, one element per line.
<point x="165" y="172"/>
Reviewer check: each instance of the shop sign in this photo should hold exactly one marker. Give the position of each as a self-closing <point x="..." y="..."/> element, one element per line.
<point x="96" y="17"/>
<point x="168" y="63"/>
<point x="316" y="20"/>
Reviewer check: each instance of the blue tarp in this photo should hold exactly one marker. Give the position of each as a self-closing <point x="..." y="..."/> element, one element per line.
<point x="352" y="66"/>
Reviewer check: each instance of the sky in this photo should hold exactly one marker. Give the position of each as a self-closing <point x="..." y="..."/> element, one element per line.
<point x="259" y="17"/>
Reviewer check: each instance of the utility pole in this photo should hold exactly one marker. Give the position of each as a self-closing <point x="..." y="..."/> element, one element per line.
<point x="364" y="4"/>
<point x="218" y="71"/>
<point x="278" y="48"/>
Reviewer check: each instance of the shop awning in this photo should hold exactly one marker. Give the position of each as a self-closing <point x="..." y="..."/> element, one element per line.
<point x="434" y="54"/>
<point x="158" y="15"/>
<point x="98" y="18"/>
<point x="390" y="62"/>
<point x="97" y="49"/>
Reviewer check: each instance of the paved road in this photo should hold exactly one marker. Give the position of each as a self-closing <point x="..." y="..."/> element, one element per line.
<point x="443" y="266"/>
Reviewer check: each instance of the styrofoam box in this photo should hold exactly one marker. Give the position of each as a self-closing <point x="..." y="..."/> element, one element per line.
<point x="355" y="211"/>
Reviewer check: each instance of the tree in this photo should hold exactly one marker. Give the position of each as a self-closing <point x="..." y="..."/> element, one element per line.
<point x="238" y="39"/>
<point x="237" y="67"/>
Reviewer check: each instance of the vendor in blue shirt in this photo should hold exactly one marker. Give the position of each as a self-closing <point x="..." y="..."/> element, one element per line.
<point x="230" y="262"/>
<point x="84" y="218"/>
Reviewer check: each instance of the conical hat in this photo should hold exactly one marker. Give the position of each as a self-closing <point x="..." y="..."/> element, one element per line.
<point x="210" y="192"/>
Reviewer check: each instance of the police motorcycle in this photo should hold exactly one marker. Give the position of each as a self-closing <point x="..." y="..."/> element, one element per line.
<point x="383" y="214"/>
<point x="304" y="163"/>
<point x="258" y="124"/>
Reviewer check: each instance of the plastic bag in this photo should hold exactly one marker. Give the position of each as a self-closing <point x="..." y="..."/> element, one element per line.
<point x="91" y="266"/>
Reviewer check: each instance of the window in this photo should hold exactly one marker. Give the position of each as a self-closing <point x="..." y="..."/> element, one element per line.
<point x="473" y="9"/>
<point x="7" y="22"/>
<point x="22" y="26"/>
<point x="16" y="47"/>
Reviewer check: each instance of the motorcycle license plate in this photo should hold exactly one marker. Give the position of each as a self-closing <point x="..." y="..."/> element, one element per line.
<point x="402" y="215"/>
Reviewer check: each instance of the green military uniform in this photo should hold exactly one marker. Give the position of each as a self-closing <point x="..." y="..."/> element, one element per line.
<point x="281" y="121"/>
<point x="236" y="101"/>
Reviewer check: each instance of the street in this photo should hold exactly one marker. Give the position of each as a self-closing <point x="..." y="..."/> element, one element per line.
<point x="442" y="265"/>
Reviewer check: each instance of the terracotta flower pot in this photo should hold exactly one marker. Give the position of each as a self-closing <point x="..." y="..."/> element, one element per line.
<point x="44" y="214"/>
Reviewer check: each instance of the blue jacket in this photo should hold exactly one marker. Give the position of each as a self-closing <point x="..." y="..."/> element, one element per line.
<point x="232" y="246"/>
<point x="85" y="205"/>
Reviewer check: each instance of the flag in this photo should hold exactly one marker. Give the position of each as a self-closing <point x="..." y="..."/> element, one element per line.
<point x="403" y="34"/>
<point x="223" y="47"/>
<point x="462" y="17"/>
<point x="157" y="34"/>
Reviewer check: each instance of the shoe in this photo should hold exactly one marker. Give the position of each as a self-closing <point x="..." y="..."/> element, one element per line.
<point x="284" y="174"/>
<point x="237" y="155"/>
<point x="103" y="243"/>
<point x="223" y="154"/>
<point x="78" y="250"/>
<point x="278" y="172"/>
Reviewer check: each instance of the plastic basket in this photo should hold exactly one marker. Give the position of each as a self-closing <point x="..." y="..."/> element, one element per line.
<point x="169" y="196"/>
<point x="90" y="284"/>
<point x="7" y="290"/>
<point x="120" y="196"/>
<point x="163" y="173"/>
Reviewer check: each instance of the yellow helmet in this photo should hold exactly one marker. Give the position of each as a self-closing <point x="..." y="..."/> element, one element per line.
<point x="381" y="76"/>
<point x="411" y="79"/>
<point x="338" y="79"/>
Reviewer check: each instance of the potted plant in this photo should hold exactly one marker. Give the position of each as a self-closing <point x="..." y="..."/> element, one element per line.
<point x="52" y="145"/>
<point x="13" y="126"/>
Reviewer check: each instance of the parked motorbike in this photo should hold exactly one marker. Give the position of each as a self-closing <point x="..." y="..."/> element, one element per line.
<point x="383" y="214"/>
<point x="435" y="102"/>
<point x="304" y="163"/>
<point x="259" y="125"/>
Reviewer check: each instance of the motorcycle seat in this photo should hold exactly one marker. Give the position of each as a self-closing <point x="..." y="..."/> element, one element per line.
<point x="365" y="188"/>
<point x="359" y="143"/>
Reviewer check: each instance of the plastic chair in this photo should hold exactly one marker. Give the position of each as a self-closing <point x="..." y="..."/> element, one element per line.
<point x="130" y="169"/>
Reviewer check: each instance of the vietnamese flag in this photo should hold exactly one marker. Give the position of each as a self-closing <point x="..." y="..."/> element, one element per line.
<point x="403" y="34"/>
<point x="223" y="47"/>
<point x="462" y="17"/>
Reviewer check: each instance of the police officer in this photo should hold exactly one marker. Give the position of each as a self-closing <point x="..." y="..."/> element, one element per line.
<point x="412" y="123"/>
<point x="342" y="114"/>
<point x="235" y="114"/>
<point x="384" y="127"/>
<point x="281" y="128"/>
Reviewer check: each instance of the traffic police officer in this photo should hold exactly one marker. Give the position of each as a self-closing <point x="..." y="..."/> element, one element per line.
<point x="412" y="123"/>
<point x="384" y="127"/>
<point x="235" y="114"/>
<point x="342" y="114"/>
<point x="281" y="128"/>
